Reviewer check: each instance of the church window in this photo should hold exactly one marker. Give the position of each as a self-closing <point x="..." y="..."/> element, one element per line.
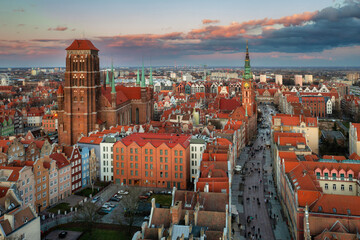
<point x="75" y="98"/>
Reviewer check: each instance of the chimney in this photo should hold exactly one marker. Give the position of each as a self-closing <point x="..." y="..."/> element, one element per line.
<point x="196" y="214"/>
<point x="187" y="217"/>
<point x="160" y="231"/>
<point x="176" y="212"/>
<point x="11" y="219"/>
<point x="170" y="230"/>
<point x="153" y="206"/>
<point x="202" y="232"/>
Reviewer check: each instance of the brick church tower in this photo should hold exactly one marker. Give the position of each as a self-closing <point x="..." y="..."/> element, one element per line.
<point x="78" y="99"/>
<point x="247" y="87"/>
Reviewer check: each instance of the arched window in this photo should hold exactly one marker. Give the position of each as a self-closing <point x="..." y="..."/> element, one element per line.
<point x="137" y="116"/>
<point x="75" y="99"/>
<point x="81" y="98"/>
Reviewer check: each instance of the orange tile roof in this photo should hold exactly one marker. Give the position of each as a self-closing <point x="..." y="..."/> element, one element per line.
<point x="287" y="155"/>
<point x="306" y="197"/>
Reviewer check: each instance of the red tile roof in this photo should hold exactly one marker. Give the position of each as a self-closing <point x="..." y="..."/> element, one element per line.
<point x="341" y="204"/>
<point x="130" y="92"/>
<point x="60" y="159"/>
<point x="171" y="140"/>
<point x="120" y="96"/>
<point x="293" y="141"/>
<point x="91" y="140"/>
<point x="286" y="134"/>
<point x="3" y="191"/>
<point x="14" y="176"/>
<point x="60" y="90"/>
<point x="228" y="104"/>
<point x="82" y="45"/>
<point x="339" y="158"/>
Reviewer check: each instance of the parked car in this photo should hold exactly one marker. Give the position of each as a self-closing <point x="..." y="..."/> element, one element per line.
<point x="95" y="199"/>
<point x="143" y="197"/>
<point x="115" y="199"/>
<point x="63" y="234"/>
<point x="105" y="209"/>
<point x="107" y="204"/>
<point x="123" y="192"/>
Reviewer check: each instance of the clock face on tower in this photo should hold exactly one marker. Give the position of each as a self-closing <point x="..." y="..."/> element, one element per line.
<point x="246" y="85"/>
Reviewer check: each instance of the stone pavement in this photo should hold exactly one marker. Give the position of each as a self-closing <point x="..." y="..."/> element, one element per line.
<point x="249" y="194"/>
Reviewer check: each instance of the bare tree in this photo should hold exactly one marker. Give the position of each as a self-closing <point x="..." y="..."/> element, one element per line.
<point x="87" y="216"/>
<point x="130" y="203"/>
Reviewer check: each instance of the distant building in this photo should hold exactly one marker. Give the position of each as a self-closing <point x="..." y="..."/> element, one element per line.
<point x="353" y="76"/>
<point x="278" y="79"/>
<point x="308" y="78"/>
<point x="298" y="80"/>
<point x="263" y="78"/>
<point x="187" y="77"/>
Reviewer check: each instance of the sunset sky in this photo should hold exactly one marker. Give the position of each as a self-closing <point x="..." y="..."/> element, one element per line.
<point x="188" y="32"/>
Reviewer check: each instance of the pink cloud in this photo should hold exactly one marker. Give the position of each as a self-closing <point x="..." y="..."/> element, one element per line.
<point x="311" y="57"/>
<point x="58" y="28"/>
<point x="19" y="10"/>
<point x="209" y="21"/>
<point x="235" y="28"/>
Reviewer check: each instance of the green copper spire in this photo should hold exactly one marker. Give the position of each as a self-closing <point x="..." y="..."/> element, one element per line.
<point x="113" y="81"/>
<point x="247" y="72"/>
<point x="138" y="78"/>
<point x="151" y="79"/>
<point x="107" y="77"/>
<point x="142" y="84"/>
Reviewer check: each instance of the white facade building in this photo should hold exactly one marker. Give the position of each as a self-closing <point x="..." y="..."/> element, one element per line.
<point x="187" y="77"/>
<point x="197" y="148"/>
<point x="329" y="107"/>
<point x="106" y="158"/>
